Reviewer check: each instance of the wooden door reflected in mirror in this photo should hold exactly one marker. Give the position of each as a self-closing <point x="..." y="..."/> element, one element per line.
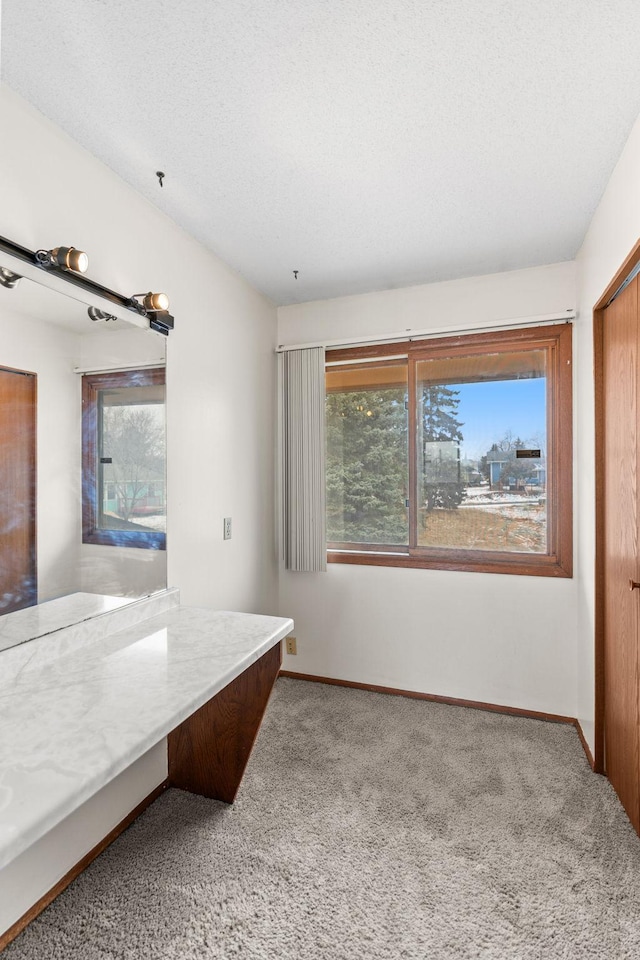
<point x="18" y="584"/>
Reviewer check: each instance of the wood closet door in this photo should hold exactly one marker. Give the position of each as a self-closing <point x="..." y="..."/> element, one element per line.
<point x="622" y="735"/>
<point x="18" y="587"/>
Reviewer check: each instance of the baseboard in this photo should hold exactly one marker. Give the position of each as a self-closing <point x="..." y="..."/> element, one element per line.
<point x="450" y="701"/>
<point x="585" y="747"/>
<point x="62" y="884"/>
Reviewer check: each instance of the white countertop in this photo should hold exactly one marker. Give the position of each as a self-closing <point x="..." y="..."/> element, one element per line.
<point x="74" y="715"/>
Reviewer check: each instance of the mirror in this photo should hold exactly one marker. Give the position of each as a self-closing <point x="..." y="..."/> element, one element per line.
<point x="44" y="618"/>
<point x="47" y="340"/>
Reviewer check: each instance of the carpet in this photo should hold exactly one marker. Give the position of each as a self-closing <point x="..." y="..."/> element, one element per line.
<point x="369" y="826"/>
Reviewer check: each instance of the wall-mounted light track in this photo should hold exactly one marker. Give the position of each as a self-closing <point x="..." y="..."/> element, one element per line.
<point x="68" y="264"/>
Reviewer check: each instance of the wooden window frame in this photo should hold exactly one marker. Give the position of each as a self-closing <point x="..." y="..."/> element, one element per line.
<point x="91" y="531"/>
<point x="556" y="340"/>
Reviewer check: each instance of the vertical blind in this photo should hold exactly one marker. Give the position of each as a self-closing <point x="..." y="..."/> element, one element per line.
<point x="302" y="434"/>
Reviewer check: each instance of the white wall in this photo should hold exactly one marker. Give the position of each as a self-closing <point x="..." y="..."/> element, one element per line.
<point x="614" y="230"/>
<point x="220" y="374"/>
<point x="474" y="300"/>
<point x="502" y="639"/>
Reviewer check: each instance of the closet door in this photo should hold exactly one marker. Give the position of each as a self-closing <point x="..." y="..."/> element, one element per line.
<point x="621" y="568"/>
<point x="17" y="490"/>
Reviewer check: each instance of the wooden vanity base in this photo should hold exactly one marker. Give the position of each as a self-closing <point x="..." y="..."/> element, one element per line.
<point x="209" y="752"/>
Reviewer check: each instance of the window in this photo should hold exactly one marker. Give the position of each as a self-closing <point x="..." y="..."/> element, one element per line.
<point x="123" y="457"/>
<point x="453" y="453"/>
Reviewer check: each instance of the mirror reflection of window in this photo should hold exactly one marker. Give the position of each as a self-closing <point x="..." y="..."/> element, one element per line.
<point x="124" y="459"/>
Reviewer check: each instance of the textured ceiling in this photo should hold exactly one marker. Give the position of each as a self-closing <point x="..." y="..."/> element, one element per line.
<point x="367" y="144"/>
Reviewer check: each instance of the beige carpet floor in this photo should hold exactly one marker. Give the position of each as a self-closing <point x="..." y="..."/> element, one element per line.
<point x="373" y="827"/>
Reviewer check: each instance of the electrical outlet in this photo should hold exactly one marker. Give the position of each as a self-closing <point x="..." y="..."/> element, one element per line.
<point x="292" y="647"/>
<point x="227" y="528"/>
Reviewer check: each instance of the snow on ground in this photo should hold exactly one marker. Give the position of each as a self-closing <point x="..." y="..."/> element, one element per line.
<point x="516" y="505"/>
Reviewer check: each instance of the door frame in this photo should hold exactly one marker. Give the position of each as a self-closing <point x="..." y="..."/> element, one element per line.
<point x="629" y="264"/>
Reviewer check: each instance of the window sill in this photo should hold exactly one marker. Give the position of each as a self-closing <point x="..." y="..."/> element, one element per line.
<point x="141" y="540"/>
<point x="470" y="561"/>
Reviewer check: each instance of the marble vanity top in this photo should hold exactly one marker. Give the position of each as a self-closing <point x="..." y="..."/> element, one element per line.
<point x="76" y="712"/>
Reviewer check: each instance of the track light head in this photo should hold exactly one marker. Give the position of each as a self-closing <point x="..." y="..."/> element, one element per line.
<point x="96" y="314"/>
<point x="155" y="306"/>
<point x="8" y="278"/>
<point x="153" y="302"/>
<point x="69" y="258"/>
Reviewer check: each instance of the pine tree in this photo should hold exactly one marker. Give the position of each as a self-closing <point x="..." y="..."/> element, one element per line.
<point x="367" y="466"/>
<point x="367" y="461"/>
<point x="442" y="485"/>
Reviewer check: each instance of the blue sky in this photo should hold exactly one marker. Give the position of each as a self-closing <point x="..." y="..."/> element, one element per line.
<point x="488" y="410"/>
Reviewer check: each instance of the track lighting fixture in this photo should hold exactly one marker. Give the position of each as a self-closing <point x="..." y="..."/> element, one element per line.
<point x="8" y="279"/>
<point x="66" y="257"/>
<point x="153" y="302"/>
<point x="68" y="264"/>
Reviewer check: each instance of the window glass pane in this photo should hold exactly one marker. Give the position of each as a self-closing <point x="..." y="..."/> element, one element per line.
<point x="481" y="452"/>
<point x="367" y="475"/>
<point x="131" y="459"/>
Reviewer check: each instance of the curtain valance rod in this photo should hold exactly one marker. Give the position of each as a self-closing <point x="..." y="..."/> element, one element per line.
<point x="410" y="334"/>
<point x="117" y="367"/>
